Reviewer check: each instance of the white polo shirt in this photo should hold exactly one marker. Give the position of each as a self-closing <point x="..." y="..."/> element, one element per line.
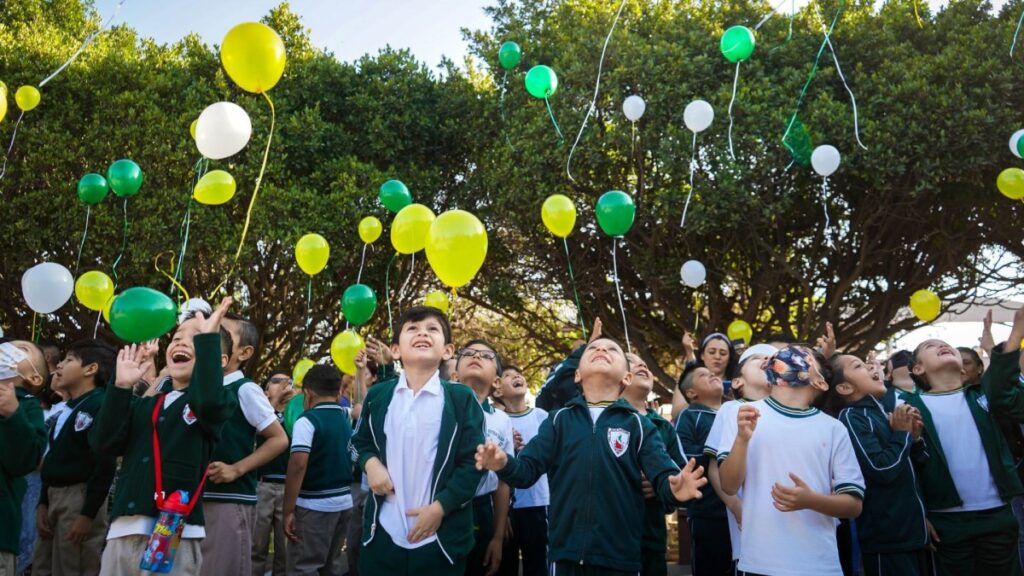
<point x="712" y="446"/>
<point x="497" y="429"/>
<point x="528" y="424"/>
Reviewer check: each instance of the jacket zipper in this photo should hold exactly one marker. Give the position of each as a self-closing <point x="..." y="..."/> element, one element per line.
<point x="433" y="491"/>
<point x="373" y="497"/>
<point x="590" y="475"/>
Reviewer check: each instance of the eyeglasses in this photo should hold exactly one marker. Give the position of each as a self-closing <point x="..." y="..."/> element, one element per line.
<point x="482" y="354"/>
<point x="280" y="380"/>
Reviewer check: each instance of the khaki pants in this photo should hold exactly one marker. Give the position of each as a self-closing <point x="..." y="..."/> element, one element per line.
<point x="8" y="563"/>
<point x="56" y="555"/>
<point x="320" y="536"/>
<point x="227" y="548"/>
<point x="122" y="555"/>
<point x="269" y="520"/>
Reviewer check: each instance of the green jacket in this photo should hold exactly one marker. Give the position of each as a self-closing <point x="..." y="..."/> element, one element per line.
<point x="188" y="430"/>
<point x="655" y="534"/>
<point x="560" y="385"/>
<point x="692" y="427"/>
<point x="455" y="477"/>
<point x="71" y="461"/>
<point x="893" y="519"/>
<point x="594" y="472"/>
<point x="237" y="441"/>
<point x="999" y="392"/>
<point x="22" y="441"/>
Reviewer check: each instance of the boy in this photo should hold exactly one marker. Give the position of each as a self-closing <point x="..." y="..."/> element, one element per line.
<point x="478" y="366"/>
<point x="229" y="503"/>
<point x="709" y="529"/>
<point x="530" y="508"/>
<point x="22" y="438"/>
<point x="415" y="441"/>
<point x="317" y="498"/>
<point x="596" y="451"/>
<point x="892" y="529"/>
<point x="560" y="385"/>
<point x="270" y="489"/>
<point x="790" y="530"/>
<point x="184" y="420"/>
<point x="654" y="542"/>
<point x="72" y="514"/>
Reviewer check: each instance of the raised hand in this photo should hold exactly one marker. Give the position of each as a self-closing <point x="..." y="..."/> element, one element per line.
<point x="746" y="422"/>
<point x="689" y="346"/>
<point x="687" y="483"/>
<point x="987" y="342"/>
<point x="595" y="332"/>
<point x="132" y="366"/>
<point x="827" y="343"/>
<point x="490" y="457"/>
<point x="791" y="499"/>
<point x="901" y="420"/>
<point x="212" y="324"/>
<point x="1013" y="342"/>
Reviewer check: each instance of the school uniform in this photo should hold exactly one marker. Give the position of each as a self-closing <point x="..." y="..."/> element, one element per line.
<point x="324" y="502"/>
<point x="76" y="482"/>
<point x="529" y="514"/>
<point x="497" y="429"/>
<point x="595" y="457"/>
<point x="270" y="513"/>
<point x="709" y="528"/>
<point x="969" y="478"/>
<point x="654" y="542"/>
<point x="22" y="441"/>
<point x="891" y="529"/>
<point x="560" y="385"/>
<point x="188" y="427"/>
<point x="427" y="440"/>
<point x="712" y="446"/>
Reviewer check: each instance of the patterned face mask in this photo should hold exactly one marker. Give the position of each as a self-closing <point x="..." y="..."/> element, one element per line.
<point x="790" y="367"/>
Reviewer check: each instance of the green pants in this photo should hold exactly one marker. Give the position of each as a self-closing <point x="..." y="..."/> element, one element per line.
<point x="483" y="532"/>
<point x="383" y="556"/>
<point x="895" y="563"/>
<point x="982" y="543"/>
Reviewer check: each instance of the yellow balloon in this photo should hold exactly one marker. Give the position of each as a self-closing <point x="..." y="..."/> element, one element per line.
<point x="94" y="289"/>
<point x="106" y="308"/>
<point x="926" y="305"/>
<point x="559" y="215"/>
<point x="27" y="98"/>
<point x="3" y="101"/>
<point x="344" y="348"/>
<point x="312" y="252"/>
<point x="214" y="188"/>
<point x="409" y="228"/>
<point x="456" y="247"/>
<point x="437" y="299"/>
<point x="253" y="56"/>
<point x="370" y="229"/>
<point x="1011" y="183"/>
<point x="299" y="372"/>
<point x="740" y="330"/>
<point x="192" y="128"/>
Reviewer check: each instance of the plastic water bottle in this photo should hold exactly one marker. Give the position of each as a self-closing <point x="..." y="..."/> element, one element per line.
<point x="163" y="543"/>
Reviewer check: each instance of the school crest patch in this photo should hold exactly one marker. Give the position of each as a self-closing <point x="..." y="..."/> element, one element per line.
<point x="188" y="415"/>
<point x="83" y="421"/>
<point x="618" y="441"/>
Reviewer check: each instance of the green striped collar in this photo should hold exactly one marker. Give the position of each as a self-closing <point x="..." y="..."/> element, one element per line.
<point x="519" y="414"/>
<point x="946" y="393"/>
<point x="791" y="412"/>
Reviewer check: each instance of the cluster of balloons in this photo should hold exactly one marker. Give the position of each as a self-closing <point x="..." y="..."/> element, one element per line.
<point x="1011" y="181"/>
<point x="925" y="305"/>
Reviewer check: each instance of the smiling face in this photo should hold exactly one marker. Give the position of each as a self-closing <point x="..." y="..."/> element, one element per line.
<point x="512" y="385"/>
<point x="642" y="377"/>
<point x="715" y="356"/>
<point x="934" y="356"/>
<point x="180" y="356"/>
<point x="859" y="380"/>
<point x="421" y="343"/>
<point x="603" y="362"/>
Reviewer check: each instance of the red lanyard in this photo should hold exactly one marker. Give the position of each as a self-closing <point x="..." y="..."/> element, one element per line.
<point x="157" y="465"/>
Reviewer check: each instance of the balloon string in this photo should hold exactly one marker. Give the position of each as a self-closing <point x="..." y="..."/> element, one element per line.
<point x="85" y="232"/>
<point x="696" y="310"/>
<point x="255" y="192"/>
<point x="171" y="277"/>
<point x="769" y="15"/>
<point x="501" y="110"/>
<point x="452" y="307"/>
<point x="3" y="171"/>
<point x="412" y="268"/>
<point x="1016" y="34"/>
<point x="553" y="121"/>
<point x="85" y="44"/>
<point x="597" y="89"/>
<point x="853" y="99"/>
<point x="632" y="151"/>
<point x="789" y="33"/>
<point x="96" y="327"/>
<point x="917" y="16"/>
<point x="309" y="301"/>
<point x="186" y="222"/>
<point x="618" y="291"/>
<point x="735" y="82"/>
<point x="575" y="292"/>
<point x="362" y="261"/>
<point x="693" y="167"/>
<point x="387" y="292"/>
<point x="35" y="315"/>
<point x="124" y="245"/>
<point x="824" y="203"/>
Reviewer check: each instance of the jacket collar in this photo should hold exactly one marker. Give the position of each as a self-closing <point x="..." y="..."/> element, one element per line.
<point x="869" y="402"/>
<point x="233" y="377"/>
<point x="581" y="402"/>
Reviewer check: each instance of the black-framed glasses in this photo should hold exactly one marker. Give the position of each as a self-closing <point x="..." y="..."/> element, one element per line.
<point x="482" y="354"/>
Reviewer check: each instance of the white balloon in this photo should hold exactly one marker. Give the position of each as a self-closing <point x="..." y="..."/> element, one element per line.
<point x="698" y="115"/>
<point x="47" y="286"/>
<point x="1013" y="142"/>
<point x="633" y="107"/>
<point x="222" y="130"/>
<point x="693" y="273"/>
<point x="825" y="159"/>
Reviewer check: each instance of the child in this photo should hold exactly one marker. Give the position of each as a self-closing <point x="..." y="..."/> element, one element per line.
<point x="530" y="508"/>
<point x="317" y="498"/>
<point x="415" y="441"/>
<point x="709" y="529"/>
<point x="22" y="437"/>
<point x="270" y="489"/>
<point x="654" y="542"/>
<point x="229" y="503"/>
<point x="595" y="451"/>
<point x="560" y="385"/>
<point x="184" y="420"/>
<point x="790" y="529"/>
<point x="892" y="529"/>
<point x="72" y="514"/>
<point x="478" y="366"/>
<point x="751" y="384"/>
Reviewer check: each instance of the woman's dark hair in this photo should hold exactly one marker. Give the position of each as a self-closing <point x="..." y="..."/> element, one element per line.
<point x="730" y="368"/>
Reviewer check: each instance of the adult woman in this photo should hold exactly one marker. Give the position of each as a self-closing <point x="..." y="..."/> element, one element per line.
<point x="717" y="354"/>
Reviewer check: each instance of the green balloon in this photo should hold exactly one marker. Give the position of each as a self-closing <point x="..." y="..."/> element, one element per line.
<point x="737" y="43"/>
<point x="1020" y="149"/>
<point x="509" y="55"/>
<point x="125" y="178"/>
<point x="541" y="81"/>
<point x="140" y="314"/>
<point x="92" y="188"/>
<point x="358" y="304"/>
<point x="615" y="212"/>
<point x="394" y="195"/>
<point x="293" y="410"/>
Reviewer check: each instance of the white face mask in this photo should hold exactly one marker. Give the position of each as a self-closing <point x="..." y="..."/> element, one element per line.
<point x="10" y="356"/>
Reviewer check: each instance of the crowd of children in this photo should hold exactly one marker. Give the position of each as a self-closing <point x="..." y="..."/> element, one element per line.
<point x="783" y="458"/>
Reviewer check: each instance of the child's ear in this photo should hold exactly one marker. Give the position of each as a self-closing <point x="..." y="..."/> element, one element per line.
<point x="626" y="380"/>
<point x="577" y="378"/>
<point x="819" y="384"/>
<point x="395" y="352"/>
<point x="224" y="358"/>
<point x="449" y="352"/>
<point x="844" y="388"/>
<point x="90" y="370"/>
<point x="246" y="353"/>
<point x="917" y="369"/>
